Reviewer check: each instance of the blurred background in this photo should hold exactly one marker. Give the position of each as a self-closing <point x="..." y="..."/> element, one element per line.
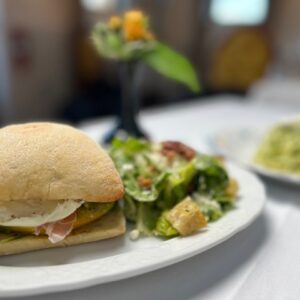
<point x="49" y="69"/>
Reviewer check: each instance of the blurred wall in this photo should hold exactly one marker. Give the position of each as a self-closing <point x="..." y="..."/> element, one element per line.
<point x="178" y="24"/>
<point x="285" y="30"/>
<point x="39" y="37"/>
<point x="37" y="72"/>
<point x="282" y="28"/>
<point x="4" y="66"/>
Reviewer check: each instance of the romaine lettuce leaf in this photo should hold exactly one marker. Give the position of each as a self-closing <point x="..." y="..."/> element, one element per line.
<point x="138" y="193"/>
<point x="130" y="208"/>
<point x="208" y="206"/>
<point x="147" y="217"/>
<point x="177" y="186"/>
<point x="164" y="228"/>
<point x="130" y="146"/>
<point x="213" y="178"/>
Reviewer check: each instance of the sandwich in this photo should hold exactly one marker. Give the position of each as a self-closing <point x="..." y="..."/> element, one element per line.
<point x="57" y="188"/>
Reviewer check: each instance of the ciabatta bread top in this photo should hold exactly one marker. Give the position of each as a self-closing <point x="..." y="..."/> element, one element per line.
<point x="53" y="161"/>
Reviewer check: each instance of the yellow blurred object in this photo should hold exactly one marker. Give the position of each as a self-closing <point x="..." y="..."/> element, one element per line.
<point x="241" y="61"/>
<point x="114" y="23"/>
<point x="232" y="188"/>
<point x="149" y="36"/>
<point x="134" y="26"/>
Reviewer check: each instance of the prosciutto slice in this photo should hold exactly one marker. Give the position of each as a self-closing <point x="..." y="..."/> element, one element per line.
<point x="58" y="230"/>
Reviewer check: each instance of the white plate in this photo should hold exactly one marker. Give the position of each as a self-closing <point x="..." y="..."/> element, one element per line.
<point x="86" y="265"/>
<point x="240" y="146"/>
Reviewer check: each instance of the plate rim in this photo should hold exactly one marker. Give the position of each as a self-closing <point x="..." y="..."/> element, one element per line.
<point x="148" y="266"/>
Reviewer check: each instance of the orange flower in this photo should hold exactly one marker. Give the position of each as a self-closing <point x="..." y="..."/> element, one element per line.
<point x="114" y="23"/>
<point x="134" y="25"/>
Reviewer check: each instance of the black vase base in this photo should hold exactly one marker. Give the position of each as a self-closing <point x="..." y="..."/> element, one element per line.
<point x="119" y="131"/>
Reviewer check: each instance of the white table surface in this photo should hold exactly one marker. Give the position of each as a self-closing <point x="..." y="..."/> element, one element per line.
<point x="222" y="272"/>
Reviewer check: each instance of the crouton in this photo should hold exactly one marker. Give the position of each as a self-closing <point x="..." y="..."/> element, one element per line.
<point x="186" y="217"/>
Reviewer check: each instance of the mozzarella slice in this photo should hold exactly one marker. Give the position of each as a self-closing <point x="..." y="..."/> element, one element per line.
<point x="34" y="213"/>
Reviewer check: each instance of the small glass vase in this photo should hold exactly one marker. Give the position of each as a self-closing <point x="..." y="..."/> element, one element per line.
<point x="127" y="119"/>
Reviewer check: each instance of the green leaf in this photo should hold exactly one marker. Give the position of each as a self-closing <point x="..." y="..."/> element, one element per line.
<point x="140" y="194"/>
<point x="131" y="146"/>
<point x="146" y="218"/>
<point x="177" y="186"/>
<point x="164" y="228"/>
<point x="107" y="43"/>
<point x="132" y="188"/>
<point x="130" y="208"/>
<point x="173" y="65"/>
<point x="110" y="44"/>
<point x="213" y="177"/>
<point x="208" y="206"/>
